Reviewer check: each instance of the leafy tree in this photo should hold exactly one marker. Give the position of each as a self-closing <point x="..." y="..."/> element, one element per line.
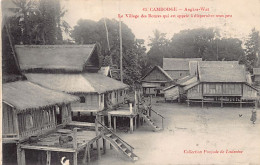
<point x="252" y="50"/>
<point x="89" y="32"/>
<point x="38" y="22"/>
<point x="159" y="48"/>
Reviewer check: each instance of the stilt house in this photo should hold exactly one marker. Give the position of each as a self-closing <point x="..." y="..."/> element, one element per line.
<point x="31" y="110"/>
<point x="155" y="80"/>
<point x="221" y="82"/>
<point x="72" y="69"/>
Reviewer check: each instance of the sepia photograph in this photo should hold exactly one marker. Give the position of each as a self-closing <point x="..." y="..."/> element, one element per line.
<point x="130" y="82"/>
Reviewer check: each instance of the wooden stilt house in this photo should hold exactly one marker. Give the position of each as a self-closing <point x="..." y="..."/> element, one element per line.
<point x="221" y="82"/>
<point x="155" y="80"/>
<point x="72" y="69"/>
<point x="31" y="110"/>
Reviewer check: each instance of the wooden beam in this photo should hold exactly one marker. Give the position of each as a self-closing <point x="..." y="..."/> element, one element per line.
<point x="48" y="161"/>
<point x="114" y="123"/>
<point x="109" y="121"/>
<point x="85" y="155"/>
<point x="75" y="138"/>
<point x="98" y="148"/>
<point x="131" y="125"/>
<point x="75" y="158"/>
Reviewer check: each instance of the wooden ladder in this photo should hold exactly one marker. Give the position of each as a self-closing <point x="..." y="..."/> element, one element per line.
<point x="119" y="144"/>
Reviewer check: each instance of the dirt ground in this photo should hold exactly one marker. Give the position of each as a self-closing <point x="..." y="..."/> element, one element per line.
<point x="212" y="129"/>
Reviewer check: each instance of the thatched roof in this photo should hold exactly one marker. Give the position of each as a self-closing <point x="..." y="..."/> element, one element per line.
<point x="26" y="95"/>
<point x="63" y="57"/>
<point x="178" y="63"/>
<point x="222" y="74"/>
<point x="256" y="71"/>
<point x="168" y="77"/>
<point x="77" y="83"/>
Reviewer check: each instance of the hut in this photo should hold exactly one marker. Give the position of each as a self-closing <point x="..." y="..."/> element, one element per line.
<point x="72" y="69"/>
<point x="220" y="82"/>
<point x="155" y="80"/>
<point x="31" y="110"/>
<point x="179" y="67"/>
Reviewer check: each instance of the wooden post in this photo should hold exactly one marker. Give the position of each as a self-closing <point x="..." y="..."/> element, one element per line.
<point x="75" y="138"/>
<point x="131" y="125"/>
<point x="109" y="121"/>
<point x="202" y="103"/>
<point x="98" y="148"/>
<point x="130" y="108"/>
<point x="96" y="126"/>
<point x="104" y="140"/>
<point x="48" y="161"/>
<point x="88" y="153"/>
<point x="188" y="102"/>
<point x="150" y="99"/>
<point x="114" y="123"/>
<point x="135" y="123"/>
<point x="85" y="155"/>
<point x="75" y="158"/>
<point x="240" y="103"/>
<point x="20" y="155"/>
<point x="221" y="101"/>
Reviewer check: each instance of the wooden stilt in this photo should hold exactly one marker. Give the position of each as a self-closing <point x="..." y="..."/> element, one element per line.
<point x="75" y="138"/>
<point x="135" y="123"/>
<point x="221" y="102"/>
<point x="240" y="103"/>
<point x="104" y="145"/>
<point x="48" y="161"/>
<point x="98" y="148"/>
<point x="188" y="103"/>
<point x="20" y="155"/>
<point x="85" y="155"/>
<point x="131" y="125"/>
<point x="202" y="103"/>
<point x="88" y="153"/>
<point x="114" y="123"/>
<point x="109" y="121"/>
<point x="96" y="126"/>
<point x="75" y="158"/>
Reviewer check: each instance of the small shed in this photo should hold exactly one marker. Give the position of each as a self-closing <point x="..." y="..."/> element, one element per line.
<point x="31" y="110"/>
<point x="155" y="80"/>
<point x="179" y="67"/>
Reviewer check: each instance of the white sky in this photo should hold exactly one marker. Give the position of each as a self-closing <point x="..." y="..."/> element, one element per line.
<point x="245" y="15"/>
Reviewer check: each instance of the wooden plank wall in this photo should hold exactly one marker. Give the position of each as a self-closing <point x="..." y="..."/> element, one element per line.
<point x="32" y="122"/>
<point x="249" y="92"/>
<point x="91" y="102"/>
<point x="195" y="92"/>
<point x="222" y="89"/>
<point x="8" y="120"/>
<point x="155" y="75"/>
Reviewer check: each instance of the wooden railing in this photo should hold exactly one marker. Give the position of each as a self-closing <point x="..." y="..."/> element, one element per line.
<point x="103" y="126"/>
<point x="162" y="117"/>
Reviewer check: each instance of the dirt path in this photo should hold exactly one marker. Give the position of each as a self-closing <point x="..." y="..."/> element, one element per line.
<point x="194" y="129"/>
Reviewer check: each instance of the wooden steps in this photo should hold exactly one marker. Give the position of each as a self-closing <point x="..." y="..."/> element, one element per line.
<point x="150" y="122"/>
<point x="120" y="146"/>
